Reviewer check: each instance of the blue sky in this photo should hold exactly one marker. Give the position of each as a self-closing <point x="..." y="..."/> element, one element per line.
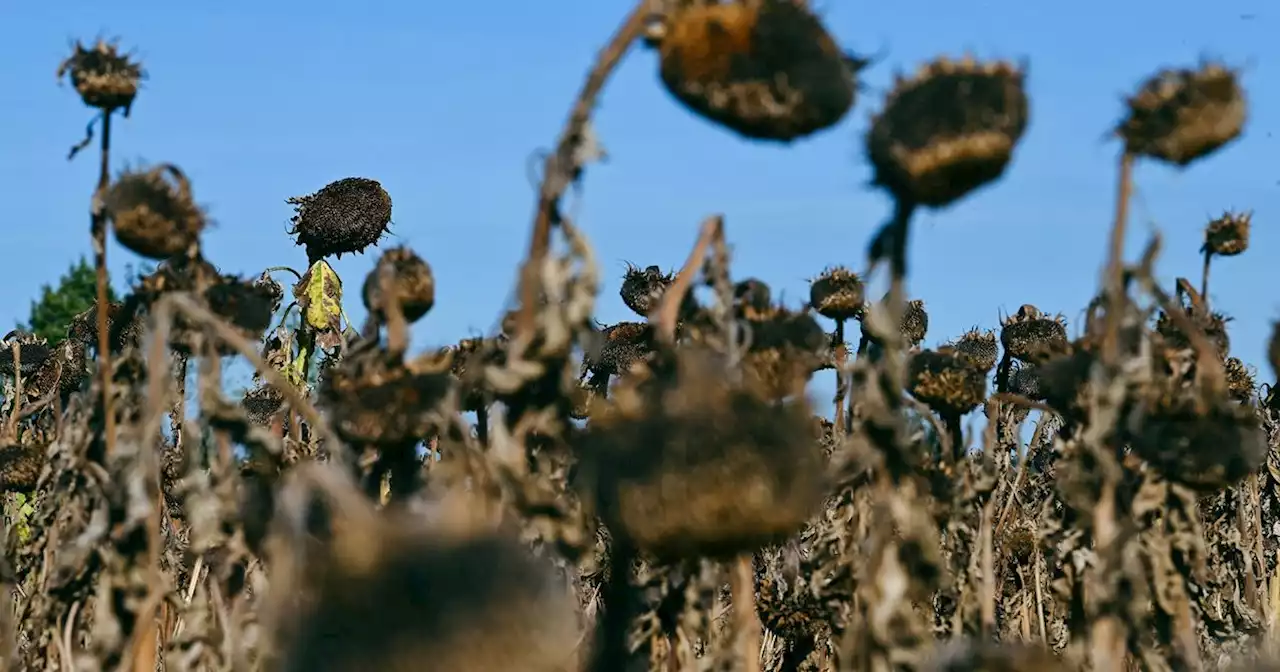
<point x="444" y="102"/>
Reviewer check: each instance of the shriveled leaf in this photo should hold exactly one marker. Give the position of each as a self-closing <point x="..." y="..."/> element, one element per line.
<point x="319" y="295"/>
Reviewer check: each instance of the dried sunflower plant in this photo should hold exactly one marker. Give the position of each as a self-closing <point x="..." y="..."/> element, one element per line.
<point x="660" y="493"/>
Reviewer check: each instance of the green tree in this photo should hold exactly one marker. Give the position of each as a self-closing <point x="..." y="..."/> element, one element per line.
<point x="74" y="294"/>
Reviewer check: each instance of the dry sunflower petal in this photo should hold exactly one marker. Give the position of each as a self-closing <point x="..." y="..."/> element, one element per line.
<point x="344" y="217"/>
<point x="689" y="465"/>
<point x="766" y="69"/>
<point x="153" y="212"/>
<point x="837" y="294"/>
<point x="411" y="280"/>
<point x="1227" y="235"/>
<point x="948" y="130"/>
<point x="1182" y="115"/>
<point x="104" y="78"/>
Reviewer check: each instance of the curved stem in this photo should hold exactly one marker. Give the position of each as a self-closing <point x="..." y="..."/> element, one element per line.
<point x="564" y="166"/>
<point x="1114" y="279"/>
<point x="275" y="269"/>
<point x="747" y="623"/>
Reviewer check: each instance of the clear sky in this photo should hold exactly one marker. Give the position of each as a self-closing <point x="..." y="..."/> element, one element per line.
<point x="445" y="102"/>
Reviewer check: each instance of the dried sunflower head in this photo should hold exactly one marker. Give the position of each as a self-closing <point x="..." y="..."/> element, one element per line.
<point x="915" y="324"/>
<point x="20" y="465"/>
<point x="262" y="403"/>
<point x="1030" y="335"/>
<point x="63" y="370"/>
<point x="1024" y="380"/>
<point x="386" y="591"/>
<point x="980" y="346"/>
<point x="947" y="381"/>
<point x="686" y="464"/>
<point x="1204" y="444"/>
<point x="376" y="400"/>
<point x="344" y="217"/>
<point x="752" y="297"/>
<point x="786" y="348"/>
<point x="837" y="294"/>
<point x="765" y="69"/>
<point x="1214" y="326"/>
<point x="1241" y="383"/>
<point x="32" y="352"/>
<point x="153" y="213"/>
<point x="84" y="326"/>
<point x="411" y="280"/>
<point x="622" y="346"/>
<point x="104" y="78"/>
<point x="948" y="130"/>
<point x="1227" y="235"/>
<point x="642" y="288"/>
<point x="1179" y="116"/>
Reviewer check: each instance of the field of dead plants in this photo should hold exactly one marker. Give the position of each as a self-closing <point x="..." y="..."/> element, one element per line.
<point x="660" y="493"/>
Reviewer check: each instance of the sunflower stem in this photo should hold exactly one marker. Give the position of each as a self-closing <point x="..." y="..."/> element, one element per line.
<point x="98" y="230"/>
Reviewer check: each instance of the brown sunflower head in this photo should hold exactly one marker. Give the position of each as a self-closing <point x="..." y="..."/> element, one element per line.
<point x="32" y="352"/>
<point x="1241" y="383"/>
<point x="1204" y="444"/>
<point x="1178" y="116"/>
<point x="947" y="381"/>
<point x="344" y="217"/>
<point x="64" y="370"/>
<point x="642" y="288"/>
<point x="1030" y="335"/>
<point x="398" y="591"/>
<point x="20" y="465"/>
<point x="84" y="326"/>
<point x="1228" y="235"/>
<point x="752" y="297"/>
<point x="838" y="294"/>
<point x="376" y="400"/>
<point x="948" y="129"/>
<point x="1024" y="380"/>
<point x="153" y="213"/>
<point x="979" y="345"/>
<point x="786" y="348"/>
<point x="412" y="284"/>
<point x="105" y="78"/>
<point x="262" y="403"/>
<point x="622" y="345"/>
<point x="687" y="464"/>
<point x="1214" y="326"/>
<point x="915" y="324"/>
<point x="765" y="69"/>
